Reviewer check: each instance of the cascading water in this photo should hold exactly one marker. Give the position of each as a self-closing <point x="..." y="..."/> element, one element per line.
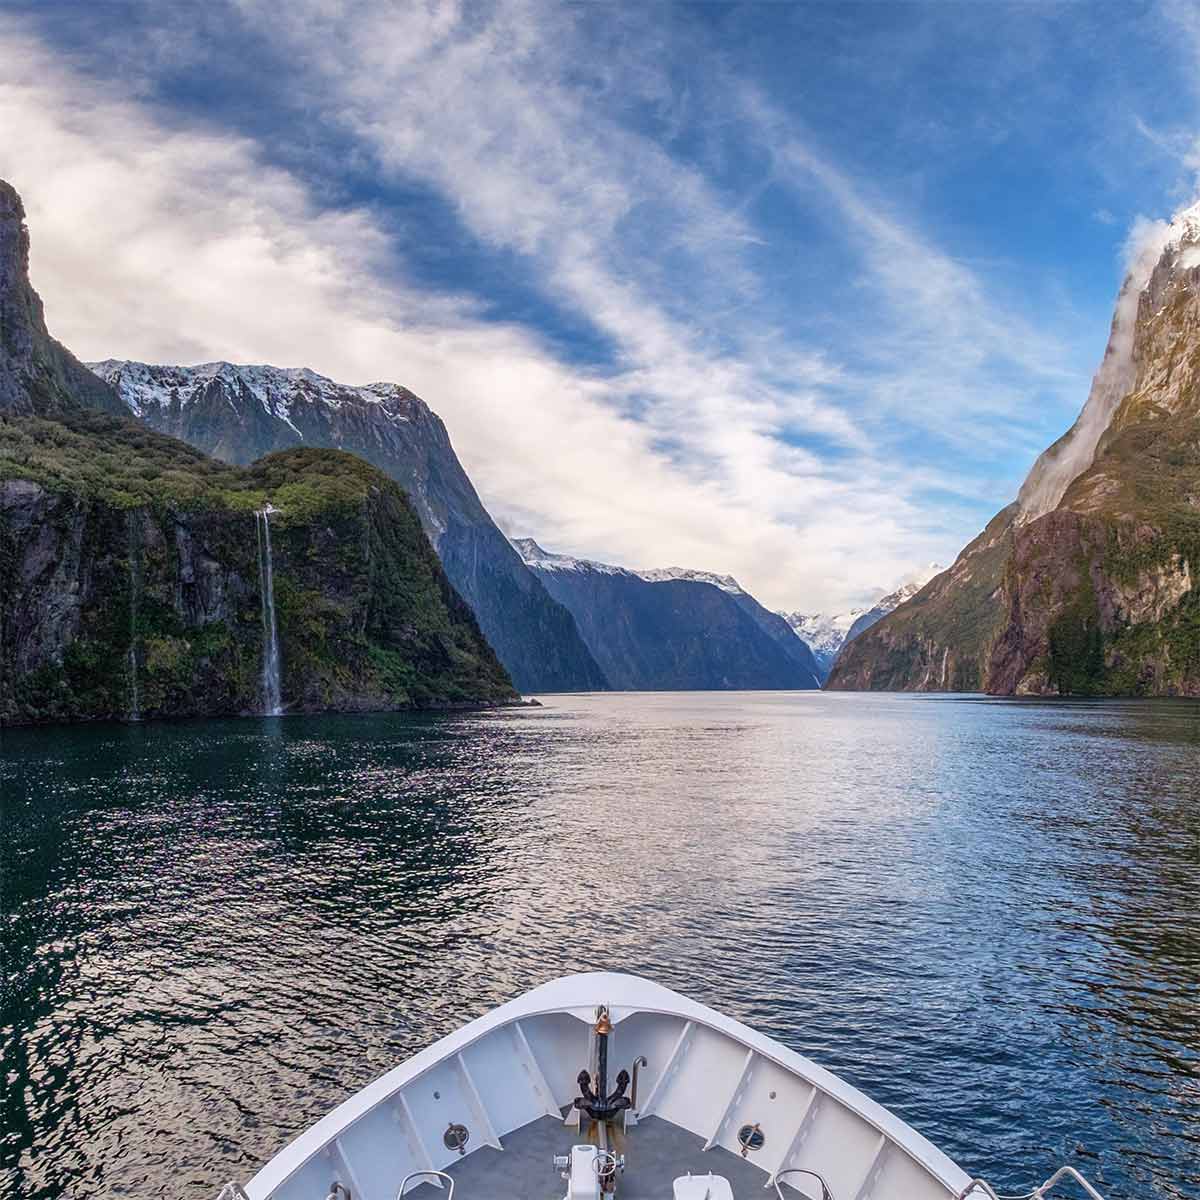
<point x="272" y="705"/>
<point x="135" y="588"/>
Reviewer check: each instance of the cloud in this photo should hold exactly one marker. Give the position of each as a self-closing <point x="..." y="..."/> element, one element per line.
<point x="713" y="437"/>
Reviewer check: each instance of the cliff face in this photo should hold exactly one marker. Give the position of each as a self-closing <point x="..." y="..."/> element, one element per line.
<point x="1088" y="584"/>
<point x="138" y="577"/>
<point x="238" y="413"/>
<point x="152" y="604"/>
<point x="674" y="631"/>
<point x="37" y="375"/>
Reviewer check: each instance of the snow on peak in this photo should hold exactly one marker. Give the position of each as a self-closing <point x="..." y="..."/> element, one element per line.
<point x="145" y="387"/>
<point x="543" y="559"/>
<point x="823" y="632"/>
<point x="826" y="633"/>
<point x="726" y="583"/>
<point x="1185" y="224"/>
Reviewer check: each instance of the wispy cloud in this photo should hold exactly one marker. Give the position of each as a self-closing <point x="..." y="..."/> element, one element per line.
<point x="714" y="435"/>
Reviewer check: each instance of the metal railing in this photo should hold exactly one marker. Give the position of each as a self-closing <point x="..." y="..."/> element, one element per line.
<point x="1064" y="1172"/>
<point x="424" y="1175"/>
<point x="826" y="1194"/>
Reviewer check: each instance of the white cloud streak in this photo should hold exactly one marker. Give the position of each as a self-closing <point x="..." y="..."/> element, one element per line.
<point x="177" y="243"/>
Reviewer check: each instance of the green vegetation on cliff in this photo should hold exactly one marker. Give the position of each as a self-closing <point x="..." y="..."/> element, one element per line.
<point x="130" y="582"/>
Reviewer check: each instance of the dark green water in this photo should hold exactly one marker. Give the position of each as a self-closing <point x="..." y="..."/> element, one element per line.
<point x="985" y="914"/>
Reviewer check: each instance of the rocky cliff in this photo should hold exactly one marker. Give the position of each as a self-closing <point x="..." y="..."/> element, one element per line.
<point x="674" y="630"/>
<point x="1087" y="585"/>
<point x="36" y="373"/>
<point x="138" y="577"/>
<point x="238" y="413"/>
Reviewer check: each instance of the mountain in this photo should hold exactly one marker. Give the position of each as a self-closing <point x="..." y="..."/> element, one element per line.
<point x="238" y="413"/>
<point x="37" y="375"/>
<point x="673" y="629"/>
<point x="892" y="601"/>
<point x="139" y="577"/>
<point x="825" y="635"/>
<point x="1087" y="583"/>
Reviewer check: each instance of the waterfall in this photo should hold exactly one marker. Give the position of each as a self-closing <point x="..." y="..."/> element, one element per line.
<point x="135" y="588"/>
<point x="272" y="706"/>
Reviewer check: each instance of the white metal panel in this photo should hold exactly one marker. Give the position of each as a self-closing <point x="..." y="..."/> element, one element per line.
<point x="840" y="1147"/>
<point x="482" y="1132"/>
<point x="505" y="1088"/>
<point x="648" y="1098"/>
<point x="652" y="1035"/>
<point x="903" y="1179"/>
<point x="380" y="1151"/>
<point x="696" y="1095"/>
<point x="559" y="1043"/>
<point x="313" y="1179"/>
<point x="435" y="1101"/>
<point x="773" y="1099"/>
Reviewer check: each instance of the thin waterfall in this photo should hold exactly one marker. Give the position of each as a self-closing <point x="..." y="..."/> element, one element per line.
<point x="135" y="589"/>
<point x="272" y="705"/>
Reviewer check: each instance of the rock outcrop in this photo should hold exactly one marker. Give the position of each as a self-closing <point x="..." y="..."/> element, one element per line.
<point x="37" y="375"/>
<point x="1087" y="585"/>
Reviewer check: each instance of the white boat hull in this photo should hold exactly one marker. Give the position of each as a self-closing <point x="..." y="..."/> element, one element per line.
<point x="705" y="1074"/>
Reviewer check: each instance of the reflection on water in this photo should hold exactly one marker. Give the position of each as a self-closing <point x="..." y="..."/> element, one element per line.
<point x="983" y="913"/>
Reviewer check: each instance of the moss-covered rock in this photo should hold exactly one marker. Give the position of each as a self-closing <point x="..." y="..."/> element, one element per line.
<point x="130" y="582"/>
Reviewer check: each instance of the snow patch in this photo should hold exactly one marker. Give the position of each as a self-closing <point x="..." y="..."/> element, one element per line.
<point x="145" y="387"/>
<point x="726" y="583"/>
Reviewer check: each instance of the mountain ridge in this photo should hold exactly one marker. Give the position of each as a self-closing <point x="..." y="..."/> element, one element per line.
<point x="239" y="412"/>
<point x="675" y="628"/>
<point x="826" y="634"/>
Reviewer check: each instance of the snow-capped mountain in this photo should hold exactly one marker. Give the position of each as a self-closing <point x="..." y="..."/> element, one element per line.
<point x="673" y="629"/>
<point x="826" y="633"/>
<point x="239" y="413"/>
<point x="886" y="604"/>
<point x="823" y="633"/>
<point x="536" y="556"/>
<point x="540" y="559"/>
<point x="726" y="583"/>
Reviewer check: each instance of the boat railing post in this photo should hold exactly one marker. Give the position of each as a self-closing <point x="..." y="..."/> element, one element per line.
<point x="425" y="1174"/>
<point x="826" y="1194"/>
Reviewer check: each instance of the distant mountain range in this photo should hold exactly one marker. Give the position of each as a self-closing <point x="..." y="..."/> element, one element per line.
<point x="1089" y="583"/>
<point x="239" y="413"/>
<point x="673" y="628"/>
<point x="826" y="634"/>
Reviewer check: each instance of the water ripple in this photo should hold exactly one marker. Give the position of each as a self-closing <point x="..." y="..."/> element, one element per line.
<point x="983" y="913"/>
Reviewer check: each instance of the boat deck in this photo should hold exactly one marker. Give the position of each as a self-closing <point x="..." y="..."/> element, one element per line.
<point x="656" y="1153"/>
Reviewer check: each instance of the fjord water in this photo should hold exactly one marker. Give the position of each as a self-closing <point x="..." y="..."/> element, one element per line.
<point x="986" y="914"/>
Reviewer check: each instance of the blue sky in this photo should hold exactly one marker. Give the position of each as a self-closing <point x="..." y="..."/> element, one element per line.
<point x="795" y="292"/>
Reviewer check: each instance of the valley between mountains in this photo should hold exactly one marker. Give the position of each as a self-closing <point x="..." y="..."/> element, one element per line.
<point x="222" y="538"/>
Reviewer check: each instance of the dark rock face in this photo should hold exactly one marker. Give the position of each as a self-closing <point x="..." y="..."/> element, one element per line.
<point x="132" y="578"/>
<point x="238" y="413"/>
<point x="1090" y="585"/>
<point x="674" y="634"/>
<point x="37" y="375"/>
<point x="109" y="611"/>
